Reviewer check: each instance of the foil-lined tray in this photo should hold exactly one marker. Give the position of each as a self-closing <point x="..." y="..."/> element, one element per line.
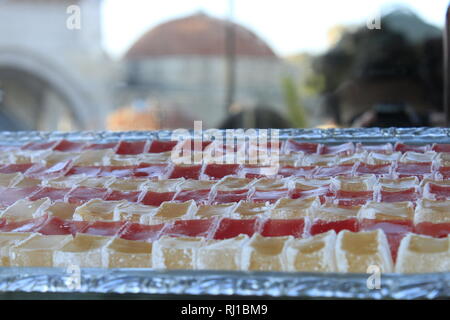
<point x="364" y="135"/>
<point x="230" y="283"/>
<point x="224" y="283"/>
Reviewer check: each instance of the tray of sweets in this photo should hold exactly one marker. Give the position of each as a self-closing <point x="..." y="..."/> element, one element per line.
<point x="341" y="213"/>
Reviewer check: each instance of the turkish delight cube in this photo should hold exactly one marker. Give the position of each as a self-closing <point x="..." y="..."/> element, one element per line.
<point x="7" y="240"/>
<point x="265" y="253"/>
<point x="37" y="250"/>
<point x="169" y="211"/>
<point x="357" y="251"/>
<point x="25" y="209"/>
<point x="287" y="208"/>
<point x="83" y="250"/>
<point x="96" y="210"/>
<point x="221" y="254"/>
<point x="122" y="253"/>
<point x="314" y="254"/>
<point x="223" y="210"/>
<point x="419" y="254"/>
<point x="176" y="253"/>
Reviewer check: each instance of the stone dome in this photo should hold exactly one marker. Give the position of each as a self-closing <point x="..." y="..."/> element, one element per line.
<point x="198" y="34"/>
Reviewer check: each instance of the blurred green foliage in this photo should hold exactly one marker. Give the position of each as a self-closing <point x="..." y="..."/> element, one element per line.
<point x="296" y="109"/>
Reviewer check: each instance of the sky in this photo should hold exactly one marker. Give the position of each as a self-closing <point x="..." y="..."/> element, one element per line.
<point x="288" y="26"/>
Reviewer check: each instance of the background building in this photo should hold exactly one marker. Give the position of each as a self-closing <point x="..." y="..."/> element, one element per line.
<point x="180" y="67"/>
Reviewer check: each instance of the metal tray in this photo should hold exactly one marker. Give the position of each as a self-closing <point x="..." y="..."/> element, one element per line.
<point x="229" y="283"/>
<point x="364" y="135"/>
<point x="213" y="283"/>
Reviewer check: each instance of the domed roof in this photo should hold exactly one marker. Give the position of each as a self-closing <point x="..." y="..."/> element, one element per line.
<point x="198" y="34"/>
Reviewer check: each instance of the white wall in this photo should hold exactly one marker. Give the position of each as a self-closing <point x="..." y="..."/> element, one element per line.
<point x="38" y="29"/>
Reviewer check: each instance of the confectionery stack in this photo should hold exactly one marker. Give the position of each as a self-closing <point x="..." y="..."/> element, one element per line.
<point x="150" y="204"/>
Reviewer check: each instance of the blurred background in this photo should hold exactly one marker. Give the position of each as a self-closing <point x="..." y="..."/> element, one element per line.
<point x="146" y="64"/>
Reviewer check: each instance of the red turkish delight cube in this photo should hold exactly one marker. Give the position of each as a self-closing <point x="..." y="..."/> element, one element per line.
<point x="230" y="228"/>
<point x="131" y="147"/>
<point x="131" y="196"/>
<point x="15" y="167"/>
<point x="230" y="196"/>
<point x="394" y="240"/>
<point x="141" y="232"/>
<point x="418" y="169"/>
<point x="353" y="198"/>
<point x="10" y="195"/>
<point x="57" y="226"/>
<point x="436" y="230"/>
<point x="76" y="226"/>
<point x="443" y="171"/>
<point x="321" y="226"/>
<point x="80" y="195"/>
<point x="116" y="171"/>
<point x="42" y="172"/>
<point x="30" y="225"/>
<point x="66" y="145"/>
<point x="388" y="226"/>
<point x="187" y="172"/>
<point x="54" y="194"/>
<point x="192" y="228"/>
<point x="408" y="147"/>
<point x="101" y="146"/>
<point x="397" y="196"/>
<point x="283" y="227"/>
<point x="395" y="231"/>
<point x="156" y="198"/>
<point x="438" y="192"/>
<point x="148" y="170"/>
<point x="376" y="169"/>
<point x="441" y="147"/>
<point x="296" y="146"/>
<point x="342" y="149"/>
<point x="218" y="171"/>
<point x="158" y="146"/>
<point x="34" y="146"/>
